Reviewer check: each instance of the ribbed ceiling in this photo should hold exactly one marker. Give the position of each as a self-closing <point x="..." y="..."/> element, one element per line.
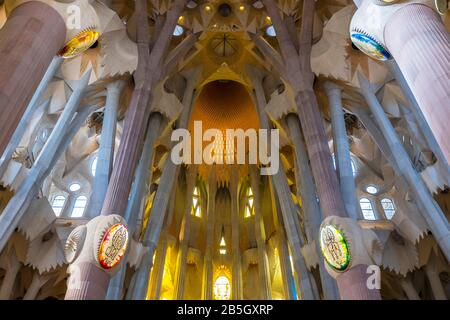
<point x="225" y="105"/>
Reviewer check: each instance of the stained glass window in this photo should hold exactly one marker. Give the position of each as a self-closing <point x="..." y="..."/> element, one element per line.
<point x="222" y="288"/>
<point x="58" y="204"/>
<point x="366" y="208"/>
<point x="372" y="189"/>
<point x="196" y="208"/>
<point x="78" y="207"/>
<point x="74" y="187"/>
<point x="249" y="204"/>
<point x="388" y="207"/>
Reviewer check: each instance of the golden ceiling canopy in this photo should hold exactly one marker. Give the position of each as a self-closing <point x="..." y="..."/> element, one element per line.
<point x="224" y="105"/>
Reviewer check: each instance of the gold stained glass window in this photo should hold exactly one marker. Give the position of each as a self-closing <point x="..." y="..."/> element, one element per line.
<point x="249" y="204"/>
<point x="222" y="288"/>
<point x="196" y="208"/>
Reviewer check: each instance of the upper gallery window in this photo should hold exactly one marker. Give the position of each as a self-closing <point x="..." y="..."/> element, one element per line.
<point x="366" y="208"/>
<point x="270" y="31"/>
<point x="388" y="207"/>
<point x="196" y="208"/>
<point x="249" y="203"/>
<point x="178" y="31"/>
<point x="78" y="207"/>
<point x="222" y="288"/>
<point x="58" y="204"/>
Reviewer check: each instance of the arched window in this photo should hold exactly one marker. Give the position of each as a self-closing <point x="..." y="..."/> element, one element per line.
<point x="249" y="203"/>
<point x="178" y="31"/>
<point x="58" y="204"/>
<point x="270" y="31"/>
<point x="351" y="160"/>
<point x="388" y="207"/>
<point x="372" y="189"/>
<point x="366" y="208"/>
<point x="78" y="207"/>
<point x="196" y="208"/>
<point x="94" y="166"/>
<point x="222" y="288"/>
<point x="74" y="187"/>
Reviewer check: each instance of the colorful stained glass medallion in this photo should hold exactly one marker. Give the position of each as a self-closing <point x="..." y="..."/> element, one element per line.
<point x="80" y="43"/>
<point x="370" y="46"/>
<point x="113" y="246"/>
<point x="334" y="248"/>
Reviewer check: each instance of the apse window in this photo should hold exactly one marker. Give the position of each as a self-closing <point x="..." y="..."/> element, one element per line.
<point x="270" y="31"/>
<point x="94" y="166"/>
<point x="196" y="209"/>
<point x="222" y="288"/>
<point x="372" y="189"/>
<point x="388" y="207"/>
<point x="74" y="187"/>
<point x="78" y="207"/>
<point x="223" y="246"/>
<point x="58" y="205"/>
<point x="367" y="209"/>
<point x="249" y="204"/>
<point x="178" y="31"/>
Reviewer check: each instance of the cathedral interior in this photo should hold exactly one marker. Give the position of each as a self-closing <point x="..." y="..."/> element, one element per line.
<point x="92" y="205"/>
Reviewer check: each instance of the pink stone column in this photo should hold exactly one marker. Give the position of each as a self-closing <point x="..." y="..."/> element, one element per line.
<point x="419" y="42"/>
<point x="30" y="38"/>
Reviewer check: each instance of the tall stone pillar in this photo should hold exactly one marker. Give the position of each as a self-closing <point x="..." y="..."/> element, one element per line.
<point x="32" y="35"/>
<point x="134" y="210"/>
<point x="415" y="36"/>
<point x="260" y="234"/>
<point x="310" y="205"/>
<point x="13" y="267"/>
<point x="105" y="155"/>
<point x="236" y="268"/>
<point x="434" y="216"/>
<point x="180" y="273"/>
<point x="342" y="149"/>
<point x="207" y="292"/>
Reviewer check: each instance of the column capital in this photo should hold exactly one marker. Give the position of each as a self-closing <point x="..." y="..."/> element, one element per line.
<point x="367" y="28"/>
<point x="116" y="86"/>
<point x="331" y="88"/>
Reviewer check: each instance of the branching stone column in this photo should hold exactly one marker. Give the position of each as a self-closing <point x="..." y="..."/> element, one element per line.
<point x="207" y="292"/>
<point x="434" y="216"/>
<point x="432" y="272"/>
<point x="413" y="33"/>
<point x="260" y="234"/>
<point x="185" y="231"/>
<point x="342" y="149"/>
<point x="91" y="280"/>
<point x="236" y="268"/>
<point x="25" y="120"/>
<point x="21" y="200"/>
<point x="311" y="209"/>
<point x="307" y="284"/>
<point x="105" y="156"/>
<point x="32" y="35"/>
<point x="296" y="70"/>
<point x="134" y="210"/>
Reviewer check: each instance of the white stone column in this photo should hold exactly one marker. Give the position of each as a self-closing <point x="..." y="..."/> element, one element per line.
<point x="13" y="268"/>
<point x="21" y="200"/>
<point x="434" y="216"/>
<point x="105" y="156"/>
<point x="31" y="108"/>
<point x="36" y="284"/>
<point x="236" y="269"/>
<point x="342" y="149"/>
